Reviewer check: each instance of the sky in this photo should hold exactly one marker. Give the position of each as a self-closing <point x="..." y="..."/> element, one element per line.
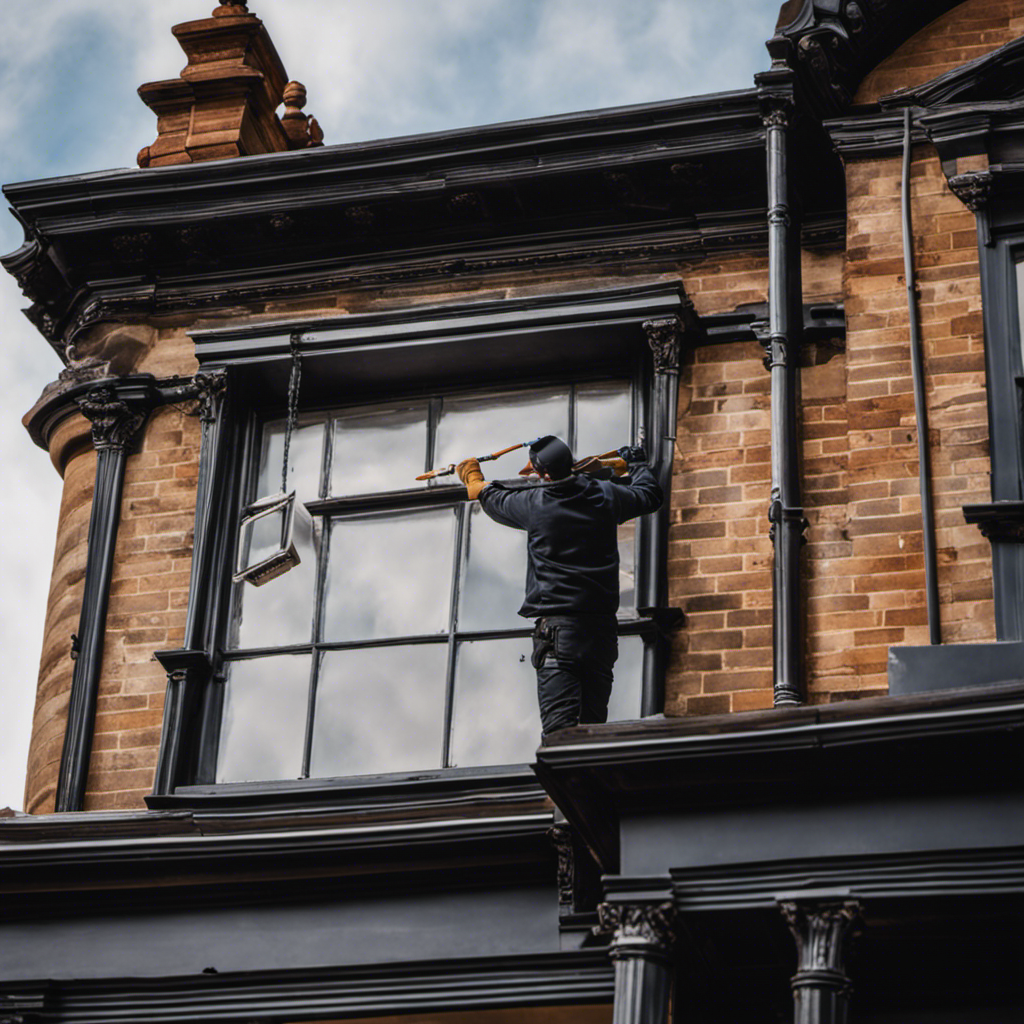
<point x="69" y="70"/>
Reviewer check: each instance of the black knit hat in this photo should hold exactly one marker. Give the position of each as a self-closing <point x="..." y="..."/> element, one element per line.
<point x="551" y="455"/>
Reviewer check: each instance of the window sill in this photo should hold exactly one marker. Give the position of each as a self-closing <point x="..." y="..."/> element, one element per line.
<point x="459" y="791"/>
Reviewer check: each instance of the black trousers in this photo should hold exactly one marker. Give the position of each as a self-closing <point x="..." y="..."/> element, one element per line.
<point x="574" y="656"/>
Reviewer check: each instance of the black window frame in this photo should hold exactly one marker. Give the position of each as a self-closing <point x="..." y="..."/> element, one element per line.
<point x="543" y="340"/>
<point x="1000" y="248"/>
<point x="444" y="495"/>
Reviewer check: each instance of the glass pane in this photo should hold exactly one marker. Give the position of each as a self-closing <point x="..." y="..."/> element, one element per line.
<point x="383" y="448"/>
<point x="263" y="728"/>
<point x="305" y="455"/>
<point x="603" y="421"/>
<point x="495" y="718"/>
<point x="627" y="569"/>
<point x="281" y="611"/>
<point x="494" y="576"/>
<point x="1020" y="308"/>
<point x="475" y="426"/>
<point x="390" y="575"/>
<point x="379" y="709"/>
<point x="624" y="704"/>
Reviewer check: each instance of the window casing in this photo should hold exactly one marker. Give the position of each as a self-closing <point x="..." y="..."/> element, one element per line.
<point x="394" y="646"/>
<point x="356" y="366"/>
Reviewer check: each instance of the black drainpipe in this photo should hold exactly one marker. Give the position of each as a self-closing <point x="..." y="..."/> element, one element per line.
<point x="931" y="583"/>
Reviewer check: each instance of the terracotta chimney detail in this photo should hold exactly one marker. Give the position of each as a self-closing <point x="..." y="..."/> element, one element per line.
<point x="223" y="104"/>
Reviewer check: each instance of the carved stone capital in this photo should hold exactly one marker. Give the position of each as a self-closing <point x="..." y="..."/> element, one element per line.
<point x="637" y="928"/>
<point x="114" y="422"/>
<point x="1001" y="521"/>
<point x="821" y="931"/>
<point x="210" y="384"/>
<point x="664" y="337"/>
<point x="972" y="188"/>
<point x="777" y="115"/>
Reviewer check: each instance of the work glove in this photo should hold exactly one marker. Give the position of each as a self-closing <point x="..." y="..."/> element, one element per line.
<point x="633" y="453"/>
<point x="618" y="466"/>
<point x="472" y="476"/>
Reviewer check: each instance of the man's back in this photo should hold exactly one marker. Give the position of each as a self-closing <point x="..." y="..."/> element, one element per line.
<point x="573" y="556"/>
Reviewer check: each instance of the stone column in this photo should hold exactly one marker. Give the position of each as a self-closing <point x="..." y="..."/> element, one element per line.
<point x="115" y="418"/>
<point x="641" y="947"/>
<point x="821" y="989"/>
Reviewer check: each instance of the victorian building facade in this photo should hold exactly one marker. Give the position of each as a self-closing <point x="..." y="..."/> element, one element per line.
<point x="284" y="764"/>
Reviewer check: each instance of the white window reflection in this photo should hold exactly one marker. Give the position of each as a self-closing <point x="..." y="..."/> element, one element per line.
<point x="390" y="575"/>
<point x="383" y="448"/>
<point x="603" y="417"/>
<point x="379" y="709"/>
<point x="281" y="612"/>
<point x="264" y="721"/>
<point x="482" y="424"/>
<point x="494" y="576"/>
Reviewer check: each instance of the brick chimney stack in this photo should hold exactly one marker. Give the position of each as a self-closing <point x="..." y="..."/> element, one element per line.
<point x="223" y="104"/>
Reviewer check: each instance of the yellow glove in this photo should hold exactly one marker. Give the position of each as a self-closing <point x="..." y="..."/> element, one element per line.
<point x="472" y="476"/>
<point x="618" y="466"/>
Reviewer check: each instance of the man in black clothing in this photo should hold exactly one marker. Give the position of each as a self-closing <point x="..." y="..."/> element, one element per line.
<point x="572" y="574"/>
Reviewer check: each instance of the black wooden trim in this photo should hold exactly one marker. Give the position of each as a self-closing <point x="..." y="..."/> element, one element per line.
<point x="911" y="876"/>
<point x="757" y="758"/>
<point x="1005" y="412"/>
<point x="428" y="987"/>
<point x="117" y="409"/>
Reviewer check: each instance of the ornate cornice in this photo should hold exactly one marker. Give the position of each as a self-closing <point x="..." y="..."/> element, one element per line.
<point x="637" y="928"/>
<point x="114" y="422"/>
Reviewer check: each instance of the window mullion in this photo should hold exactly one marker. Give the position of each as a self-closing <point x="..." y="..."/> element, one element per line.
<point x="317" y="625"/>
<point x="462" y="530"/>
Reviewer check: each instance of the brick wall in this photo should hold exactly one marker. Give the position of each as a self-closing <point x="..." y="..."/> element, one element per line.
<point x="970" y="30"/>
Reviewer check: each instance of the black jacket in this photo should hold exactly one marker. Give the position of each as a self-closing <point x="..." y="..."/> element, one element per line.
<point x="573" y="554"/>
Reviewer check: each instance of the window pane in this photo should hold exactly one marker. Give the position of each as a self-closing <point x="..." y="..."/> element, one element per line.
<point x="305" y="455"/>
<point x="390" y="575"/>
<point x="475" y="426"/>
<point x="383" y="448"/>
<point x="263" y="728"/>
<point x="281" y="611"/>
<point x="495" y="718"/>
<point x="603" y="420"/>
<point x="494" y="575"/>
<point x="627" y="569"/>
<point x="624" y="704"/>
<point x="379" y="709"/>
<point x="1020" y="307"/>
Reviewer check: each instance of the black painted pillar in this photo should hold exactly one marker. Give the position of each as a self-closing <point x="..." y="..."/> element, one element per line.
<point x="785" y="323"/>
<point x="821" y="988"/>
<point x="664" y="338"/>
<point x="116" y="411"/>
<point x="189" y="668"/>
<point x="641" y="948"/>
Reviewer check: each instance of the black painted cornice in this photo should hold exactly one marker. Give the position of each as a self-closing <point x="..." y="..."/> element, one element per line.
<point x="625" y="183"/>
<point x="595" y="772"/>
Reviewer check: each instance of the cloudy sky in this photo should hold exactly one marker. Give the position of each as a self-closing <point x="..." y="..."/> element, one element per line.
<point x="373" y="69"/>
